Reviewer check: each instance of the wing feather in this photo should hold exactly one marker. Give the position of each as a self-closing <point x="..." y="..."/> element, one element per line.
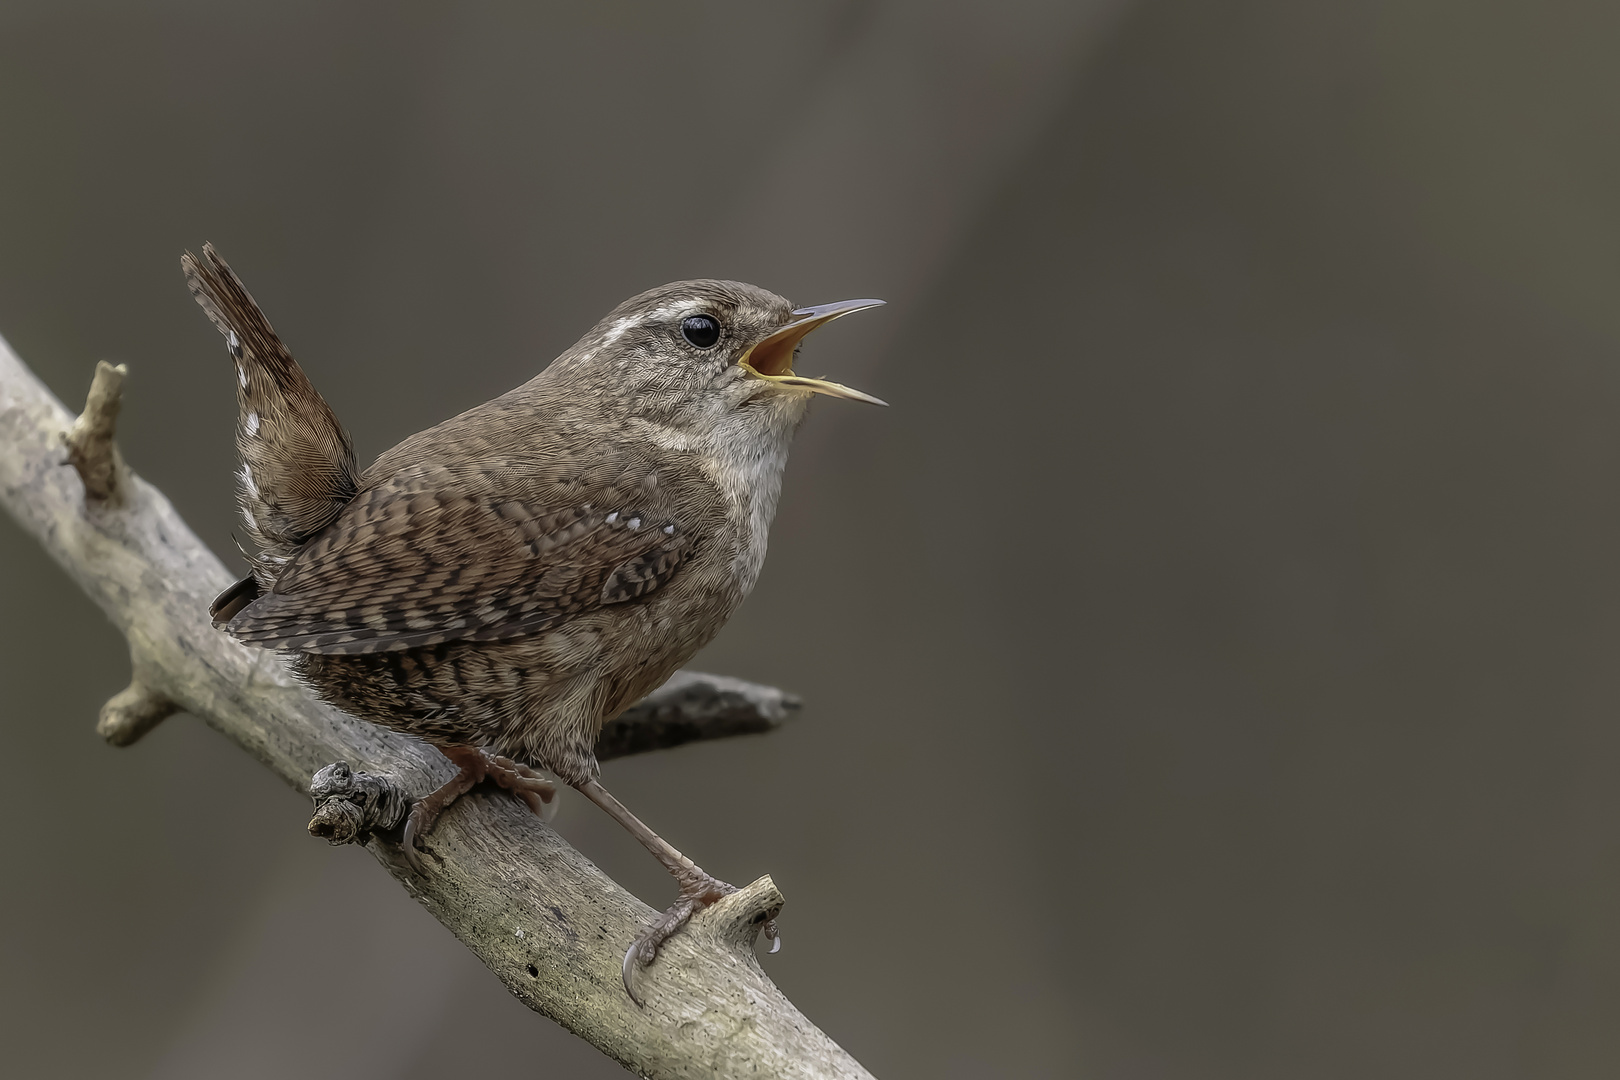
<point x="435" y="554"/>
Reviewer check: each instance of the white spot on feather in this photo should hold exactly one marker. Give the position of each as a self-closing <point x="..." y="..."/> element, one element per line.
<point x="669" y="530"/>
<point x="248" y="485"/>
<point x="241" y="375"/>
<point x="611" y="518"/>
<point x="251" y="422"/>
<point x="634" y="523"/>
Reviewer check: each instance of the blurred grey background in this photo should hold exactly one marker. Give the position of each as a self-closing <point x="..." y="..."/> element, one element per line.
<point x="1210" y="658"/>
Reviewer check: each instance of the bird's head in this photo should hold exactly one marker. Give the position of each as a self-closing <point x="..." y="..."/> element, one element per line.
<point x="697" y="353"/>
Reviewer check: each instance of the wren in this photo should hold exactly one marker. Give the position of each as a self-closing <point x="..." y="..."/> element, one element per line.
<point x="503" y="584"/>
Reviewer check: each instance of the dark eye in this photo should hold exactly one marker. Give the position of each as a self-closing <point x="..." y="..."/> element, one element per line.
<point x="700" y="330"/>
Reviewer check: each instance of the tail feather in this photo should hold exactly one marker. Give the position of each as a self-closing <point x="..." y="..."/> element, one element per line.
<point x="234" y="599"/>
<point x="298" y="465"/>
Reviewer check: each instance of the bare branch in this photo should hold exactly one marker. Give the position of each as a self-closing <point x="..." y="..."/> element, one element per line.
<point x="546" y="921"/>
<point x="693" y="706"/>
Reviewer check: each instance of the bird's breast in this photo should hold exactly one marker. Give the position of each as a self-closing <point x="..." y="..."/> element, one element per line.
<point x="749" y="479"/>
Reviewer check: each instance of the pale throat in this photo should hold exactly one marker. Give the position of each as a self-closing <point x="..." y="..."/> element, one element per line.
<point x="744" y="455"/>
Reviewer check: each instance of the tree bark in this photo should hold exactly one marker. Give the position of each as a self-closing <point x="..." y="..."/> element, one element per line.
<point x="547" y="922"/>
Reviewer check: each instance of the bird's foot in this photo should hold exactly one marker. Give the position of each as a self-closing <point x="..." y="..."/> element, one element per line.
<point x="527" y="784"/>
<point x="473" y="767"/>
<point x="698" y="891"/>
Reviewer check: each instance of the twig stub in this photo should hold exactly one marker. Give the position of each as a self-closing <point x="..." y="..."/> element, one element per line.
<point x="90" y="446"/>
<point x="132" y="712"/>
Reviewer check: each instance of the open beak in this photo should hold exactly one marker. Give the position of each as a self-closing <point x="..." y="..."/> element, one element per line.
<point x="772" y="358"/>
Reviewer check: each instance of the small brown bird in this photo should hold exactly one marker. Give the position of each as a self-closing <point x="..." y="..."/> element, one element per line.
<point x="505" y="583"/>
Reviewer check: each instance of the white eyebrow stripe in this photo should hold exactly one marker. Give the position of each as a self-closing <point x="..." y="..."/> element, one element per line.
<point x="658" y="314"/>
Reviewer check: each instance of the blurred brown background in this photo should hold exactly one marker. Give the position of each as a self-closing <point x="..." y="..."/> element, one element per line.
<point x="1210" y="657"/>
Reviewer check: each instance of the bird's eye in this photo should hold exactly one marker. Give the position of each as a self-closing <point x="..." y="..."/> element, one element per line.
<point x="700" y="330"/>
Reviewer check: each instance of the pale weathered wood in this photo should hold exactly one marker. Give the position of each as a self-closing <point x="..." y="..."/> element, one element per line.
<point x="545" y="920"/>
<point x="90" y="446"/>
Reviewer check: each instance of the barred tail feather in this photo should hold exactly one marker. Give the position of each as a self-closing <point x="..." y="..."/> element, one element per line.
<point x="298" y="465"/>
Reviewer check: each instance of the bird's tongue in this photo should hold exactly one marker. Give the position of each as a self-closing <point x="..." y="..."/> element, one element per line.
<point x="772" y="358"/>
<point x="774" y="355"/>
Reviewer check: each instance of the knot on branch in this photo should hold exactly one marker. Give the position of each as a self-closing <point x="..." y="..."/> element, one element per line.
<point x="90" y="446"/>
<point x="132" y="712"/>
<point x="350" y="806"/>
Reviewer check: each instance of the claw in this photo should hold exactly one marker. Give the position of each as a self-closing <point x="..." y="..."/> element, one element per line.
<point x="697" y="889"/>
<point x="412" y="856"/>
<point x="697" y="893"/>
<point x="631" y="970"/>
<point x="774" y="934"/>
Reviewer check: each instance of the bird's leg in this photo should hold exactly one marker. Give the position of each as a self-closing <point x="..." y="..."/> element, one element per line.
<point x="473" y="766"/>
<point x="698" y="889"/>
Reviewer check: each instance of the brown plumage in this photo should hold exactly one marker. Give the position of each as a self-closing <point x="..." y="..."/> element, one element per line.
<point x="506" y="582"/>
